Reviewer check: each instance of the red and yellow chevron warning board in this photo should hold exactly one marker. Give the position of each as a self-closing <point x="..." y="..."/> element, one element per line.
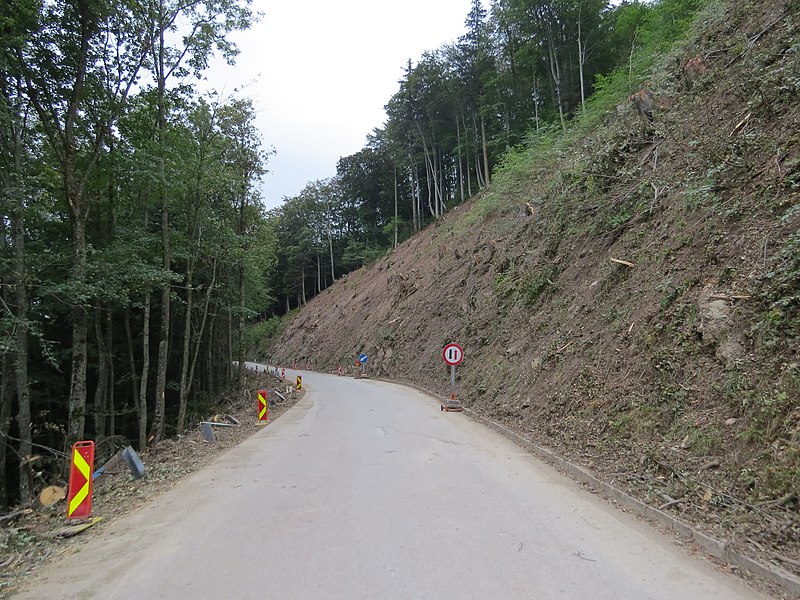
<point x="79" y="498"/>
<point x="263" y="407"/>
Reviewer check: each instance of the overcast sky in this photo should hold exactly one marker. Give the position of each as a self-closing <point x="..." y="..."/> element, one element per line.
<point x="321" y="71"/>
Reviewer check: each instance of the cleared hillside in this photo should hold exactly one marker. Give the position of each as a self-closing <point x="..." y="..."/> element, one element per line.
<point x="630" y="296"/>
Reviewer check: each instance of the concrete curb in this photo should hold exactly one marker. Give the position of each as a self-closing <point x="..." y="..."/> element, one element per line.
<point x="718" y="549"/>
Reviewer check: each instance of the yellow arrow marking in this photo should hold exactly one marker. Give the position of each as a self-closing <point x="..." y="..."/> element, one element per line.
<point x="82" y="466"/>
<point x="263" y="402"/>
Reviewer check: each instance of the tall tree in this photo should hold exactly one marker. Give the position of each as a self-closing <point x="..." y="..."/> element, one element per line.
<point x="208" y="23"/>
<point x="78" y="66"/>
<point x="15" y="191"/>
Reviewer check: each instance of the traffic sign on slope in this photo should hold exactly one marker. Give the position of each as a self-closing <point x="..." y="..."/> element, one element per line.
<point x="453" y="354"/>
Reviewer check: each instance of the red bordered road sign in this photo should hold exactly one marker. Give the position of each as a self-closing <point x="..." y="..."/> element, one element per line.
<point x="79" y="497"/>
<point x="453" y="354"/>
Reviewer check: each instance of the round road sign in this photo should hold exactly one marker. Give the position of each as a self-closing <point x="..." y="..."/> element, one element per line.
<point x="453" y="354"/>
<point x="362" y="358"/>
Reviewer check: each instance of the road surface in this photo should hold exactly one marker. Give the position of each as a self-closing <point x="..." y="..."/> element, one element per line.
<point x="366" y="490"/>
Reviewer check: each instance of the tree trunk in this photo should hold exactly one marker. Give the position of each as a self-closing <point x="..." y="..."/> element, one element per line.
<point x="330" y="247"/>
<point x="478" y="168"/>
<point x="100" y="398"/>
<point x="77" y="395"/>
<point x="198" y="339"/>
<point x="396" y="225"/>
<point x="555" y="73"/>
<point x="6" y="396"/>
<point x="486" y="175"/>
<point x="467" y="152"/>
<point x="536" y="99"/>
<point x="460" y="165"/>
<point x="240" y="341"/>
<point x="303" y="284"/>
<point x="581" y="60"/>
<point x="210" y="366"/>
<point x="157" y="428"/>
<point x="229" y="362"/>
<point x="112" y="417"/>
<point x="21" y="341"/>
<point x="187" y="326"/>
<point x="414" y="214"/>
<point x="319" y="274"/>
<point x="134" y="378"/>
<point x="142" y="404"/>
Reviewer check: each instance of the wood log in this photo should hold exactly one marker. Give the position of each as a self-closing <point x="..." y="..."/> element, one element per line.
<point x="619" y="261"/>
<point x="51" y="495"/>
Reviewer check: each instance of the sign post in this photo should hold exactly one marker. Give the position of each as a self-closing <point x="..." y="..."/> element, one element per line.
<point x="79" y="497"/>
<point x="362" y="359"/>
<point x="452" y="354"/>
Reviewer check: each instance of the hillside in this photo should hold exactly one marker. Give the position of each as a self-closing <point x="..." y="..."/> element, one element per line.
<point x="629" y="298"/>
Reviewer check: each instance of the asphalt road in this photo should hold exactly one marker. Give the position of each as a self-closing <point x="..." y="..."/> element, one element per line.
<point x="365" y="490"/>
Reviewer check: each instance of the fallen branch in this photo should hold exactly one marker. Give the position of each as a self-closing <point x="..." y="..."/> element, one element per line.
<point x="786" y="559"/>
<point x="740" y="125"/>
<point x="712" y="464"/>
<point x="619" y="261"/>
<point x="581" y="556"/>
<point x="790" y="497"/>
<point x="756" y="544"/>
<point x="16" y="513"/>
<point x="564" y="347"/>
<point x="669" y="504"/>
<point x="724" y="297"/>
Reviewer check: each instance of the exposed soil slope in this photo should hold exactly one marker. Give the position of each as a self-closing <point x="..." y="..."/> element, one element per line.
<point x="674" y="373"/>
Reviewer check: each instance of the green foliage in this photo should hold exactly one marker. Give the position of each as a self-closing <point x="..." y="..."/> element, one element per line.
<point x="357" y="254"/>
<point x="536" y="285"/>
<point x="525" y="287"/>
<point x="781" y="293"/>
<point x="259" y="336"/>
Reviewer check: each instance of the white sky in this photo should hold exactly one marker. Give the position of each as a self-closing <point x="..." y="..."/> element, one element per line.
<point x="321" y="71"/>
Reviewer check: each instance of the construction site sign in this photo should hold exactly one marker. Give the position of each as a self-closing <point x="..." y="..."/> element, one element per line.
<point x="263" y="407"/>
<point x="79" y="497"/>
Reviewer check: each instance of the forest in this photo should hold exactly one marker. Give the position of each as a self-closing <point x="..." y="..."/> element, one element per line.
<point x="137" y="254"/>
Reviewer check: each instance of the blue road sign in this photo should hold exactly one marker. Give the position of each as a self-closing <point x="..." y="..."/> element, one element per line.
<point x="362" y="358"/>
